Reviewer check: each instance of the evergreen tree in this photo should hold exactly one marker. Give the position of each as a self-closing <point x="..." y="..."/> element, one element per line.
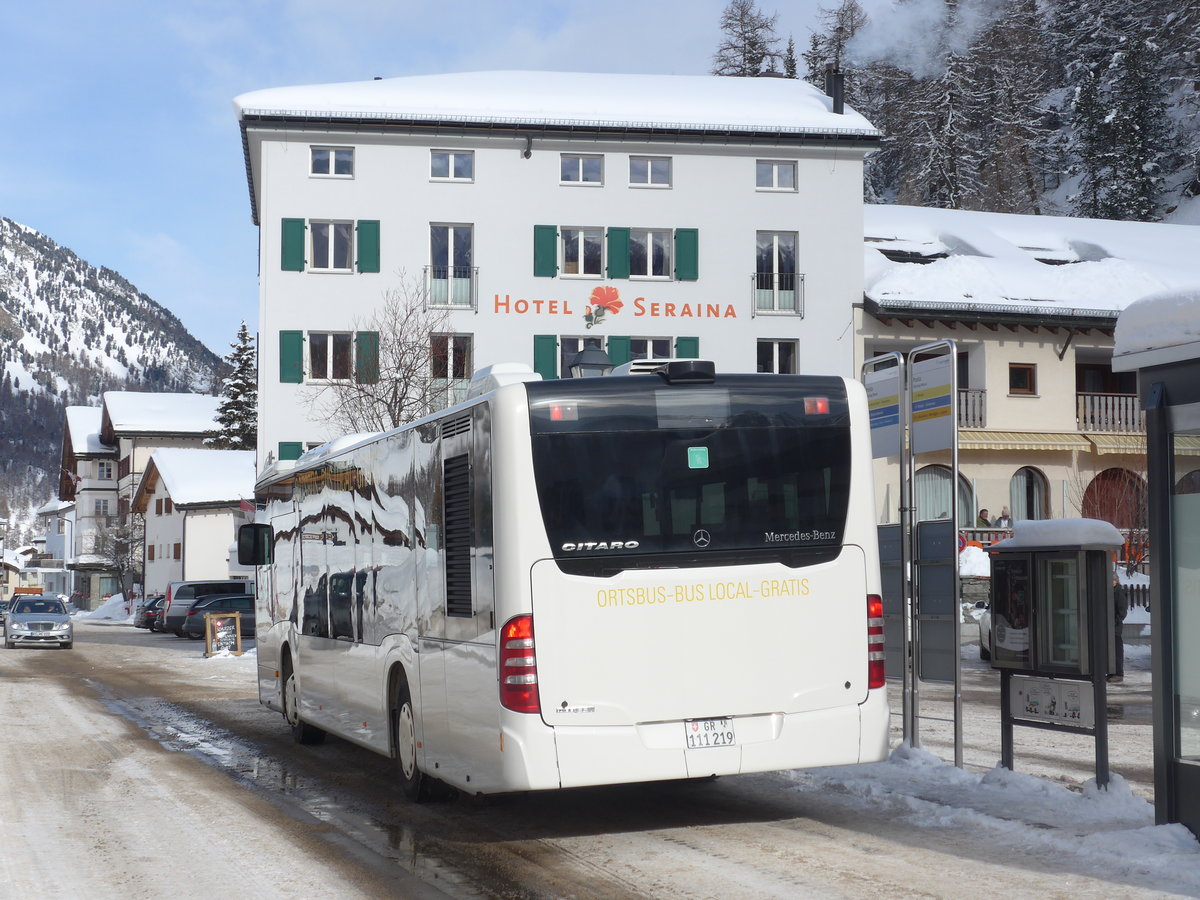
<point x="237" y="415"/>
<point x="789" y="59"/>
<point x="748" y="47"/>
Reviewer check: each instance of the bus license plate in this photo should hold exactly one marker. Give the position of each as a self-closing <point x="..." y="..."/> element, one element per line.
<point x="702" y="733"/>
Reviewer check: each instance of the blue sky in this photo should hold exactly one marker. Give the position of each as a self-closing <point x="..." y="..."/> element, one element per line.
<point x="119" y="140"/>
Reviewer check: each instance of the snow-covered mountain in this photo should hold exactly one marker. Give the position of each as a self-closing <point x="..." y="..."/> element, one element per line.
<point x="69" y="331"/>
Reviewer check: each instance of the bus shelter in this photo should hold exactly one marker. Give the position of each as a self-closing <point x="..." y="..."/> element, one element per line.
<point x="1159" y="338"/>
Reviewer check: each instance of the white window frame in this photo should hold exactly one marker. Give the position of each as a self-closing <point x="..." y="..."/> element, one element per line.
<point x="776" y="166"/>
<point x="644" y="237"/>
<point x="649" y="181"/>
<point x="330" y="227"/>
<point x="773" y="283"/>
<point x="331" y="163"/>
<point x="580" y="234"/>
<point x="577" y="343"/>
<point x="643" y="347"/>
<point x="104" y="470"/>
<point x="455" y="289"/>
<point x="101" y="507"/>
<point x="312" y="339"/>
<point x="458" y="353"/>
<point x="451" y="157"/>
<point x="577" y="160"/>
<point x="775" y="345"/>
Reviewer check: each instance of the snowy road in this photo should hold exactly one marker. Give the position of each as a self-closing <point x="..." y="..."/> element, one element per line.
<point x="134" y="767"/>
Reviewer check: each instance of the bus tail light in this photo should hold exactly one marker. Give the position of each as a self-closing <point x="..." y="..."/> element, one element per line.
<point x="875" y="658"/>
<point x="518" y="666"/>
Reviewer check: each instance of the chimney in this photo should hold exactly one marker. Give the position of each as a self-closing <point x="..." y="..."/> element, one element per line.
<point x="835" y="85"/>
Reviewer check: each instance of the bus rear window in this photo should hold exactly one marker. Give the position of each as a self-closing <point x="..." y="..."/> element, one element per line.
<point x="690" y="475"/>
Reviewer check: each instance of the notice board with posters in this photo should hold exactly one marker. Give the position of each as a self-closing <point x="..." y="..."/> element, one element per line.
<point x="223" y="633"/>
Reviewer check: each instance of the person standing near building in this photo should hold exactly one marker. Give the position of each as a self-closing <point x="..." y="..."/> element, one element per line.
<point x="1120" y="611"/>
<point x="983" y="521"/>
<point x="1004" y="520"/>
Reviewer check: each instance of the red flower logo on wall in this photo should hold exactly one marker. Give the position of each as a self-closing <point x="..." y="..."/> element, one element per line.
<point x="603" y="301"/>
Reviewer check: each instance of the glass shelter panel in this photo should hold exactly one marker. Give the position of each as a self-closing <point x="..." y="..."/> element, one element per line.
<point x="1011" y="596"/>
<point x="1061" y="628"/>
<point x="1185" y="557"/>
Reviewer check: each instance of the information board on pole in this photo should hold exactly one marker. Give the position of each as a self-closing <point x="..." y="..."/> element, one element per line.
<point x="933" y="404"/>
<point x="883" y="400"/>
<point x="937" y="601"/>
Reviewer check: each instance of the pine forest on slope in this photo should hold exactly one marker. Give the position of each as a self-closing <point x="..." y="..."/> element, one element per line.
<point x="70" y="331"/>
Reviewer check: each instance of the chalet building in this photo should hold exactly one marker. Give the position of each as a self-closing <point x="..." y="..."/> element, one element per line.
<point x="644" y="215"/>
<point x="1047" y="428"/>
<point x="192" y="503"/>
<point x="105" y="450"/>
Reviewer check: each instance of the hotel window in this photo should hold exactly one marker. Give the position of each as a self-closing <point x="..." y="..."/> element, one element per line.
<point x="775" y="272"/>
<point x="332" y="161"/>
<point x="452" y="165"/>
<point x="579" y="169"/>
<point x="331" y="245"/>
<point x="777" y="357"/>
<point x="583" y="252"/>
<point x="650" y="253"/>
<point x="329" y="356"/>
<point x="451" y="274"/>
<point x="650" y="171"/>
<point x="450" y="357"/>
<point x="1022" y="378"/>
<point x="775" y="175"/>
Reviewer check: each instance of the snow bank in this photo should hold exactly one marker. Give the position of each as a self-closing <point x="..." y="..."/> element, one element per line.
<point x="973" y="562"/>
<point x="112" y="609"/>
<point x="1110" y="833"/>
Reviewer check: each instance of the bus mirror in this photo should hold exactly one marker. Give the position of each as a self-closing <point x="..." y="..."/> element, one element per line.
<point x="254" y="545"/>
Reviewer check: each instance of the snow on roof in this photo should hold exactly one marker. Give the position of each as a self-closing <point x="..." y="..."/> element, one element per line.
<point x="1158" y="329"/>
<point x="83" y="424"/>
<point x="1041" y="265"/>
<point x="1092" y="534"/>
<point x="706" y="102"/>
<point x="195" y="475"/>
<point x="53" y="506"/>
<point x="148" y="413"/>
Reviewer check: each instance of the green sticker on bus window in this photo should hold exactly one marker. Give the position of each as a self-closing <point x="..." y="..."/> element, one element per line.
<point x="697" y="457"/>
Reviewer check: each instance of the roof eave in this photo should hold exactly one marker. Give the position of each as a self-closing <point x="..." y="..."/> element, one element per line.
<point x="992" y="313"/>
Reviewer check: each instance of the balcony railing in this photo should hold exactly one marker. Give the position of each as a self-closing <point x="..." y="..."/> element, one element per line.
<point x="777" y="293"/>
<point x="1109" y="413"/>
<point x="452" y="287"/>
<point x="972" y="408"/>
<point x="448" y="392"/>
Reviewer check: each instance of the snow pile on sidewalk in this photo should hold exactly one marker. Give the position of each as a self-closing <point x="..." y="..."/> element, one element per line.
<point x="112" y="609"/>
<point x="1110" y="833"/>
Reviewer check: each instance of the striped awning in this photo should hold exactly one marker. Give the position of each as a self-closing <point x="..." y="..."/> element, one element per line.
<point x="1119" y="443"/>
<point x="969" y="439"/>
<point x="1187" y="445"/>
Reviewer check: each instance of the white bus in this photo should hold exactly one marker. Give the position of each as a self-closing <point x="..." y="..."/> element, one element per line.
<point x="580" y="582"/>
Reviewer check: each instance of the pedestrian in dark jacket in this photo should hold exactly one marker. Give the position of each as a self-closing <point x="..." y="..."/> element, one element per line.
<point x="1120" y="611"/>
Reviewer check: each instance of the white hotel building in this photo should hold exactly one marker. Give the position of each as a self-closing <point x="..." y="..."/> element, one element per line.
<point x="650" y="215"/>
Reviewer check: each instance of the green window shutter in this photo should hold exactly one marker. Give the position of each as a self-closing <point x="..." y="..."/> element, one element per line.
<point x="687" y="348"/>
<point x="290" y="450"/>
<point x="291" y="357"/>
<point x="545" y="251"/>
<point x="368" y="245"/>
<point x="618" y="350"/>
<point x="293" y="245"/>
<point x="687" y="254"/>
<point x="545" y="355"/>
<point x="618" y="253"/>
<point x="366" y="357"/>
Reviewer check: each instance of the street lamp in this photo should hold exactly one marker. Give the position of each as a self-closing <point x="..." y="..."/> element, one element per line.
<point x="590" y="362"/>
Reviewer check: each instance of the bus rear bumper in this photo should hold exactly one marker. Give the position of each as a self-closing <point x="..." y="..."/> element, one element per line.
<point x="765" y="743"/>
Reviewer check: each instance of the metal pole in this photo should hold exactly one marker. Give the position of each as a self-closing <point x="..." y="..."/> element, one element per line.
<point x="912" y="733"/>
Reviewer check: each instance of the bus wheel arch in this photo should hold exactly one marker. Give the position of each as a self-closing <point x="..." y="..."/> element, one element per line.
<point x="302" y="732"/>
<point x="413" y="781"/>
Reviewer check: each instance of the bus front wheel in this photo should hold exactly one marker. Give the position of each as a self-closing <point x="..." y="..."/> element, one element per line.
<point x="302" y="732"/>
<point x="412" y="779"/>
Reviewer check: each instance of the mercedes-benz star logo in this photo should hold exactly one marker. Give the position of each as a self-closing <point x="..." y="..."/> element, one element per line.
<point x="701" y="538"/>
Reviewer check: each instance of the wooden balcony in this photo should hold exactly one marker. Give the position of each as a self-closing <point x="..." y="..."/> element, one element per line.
<point x="1109" y="413"/>
<point x="972" y="408"/>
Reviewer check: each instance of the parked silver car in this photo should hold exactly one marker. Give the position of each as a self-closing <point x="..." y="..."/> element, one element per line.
<point x="38" y="620"/>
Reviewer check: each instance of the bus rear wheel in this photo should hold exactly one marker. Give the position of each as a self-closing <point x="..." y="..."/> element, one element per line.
<point x="302" y="732"/>
<point x="412" y="779"/>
